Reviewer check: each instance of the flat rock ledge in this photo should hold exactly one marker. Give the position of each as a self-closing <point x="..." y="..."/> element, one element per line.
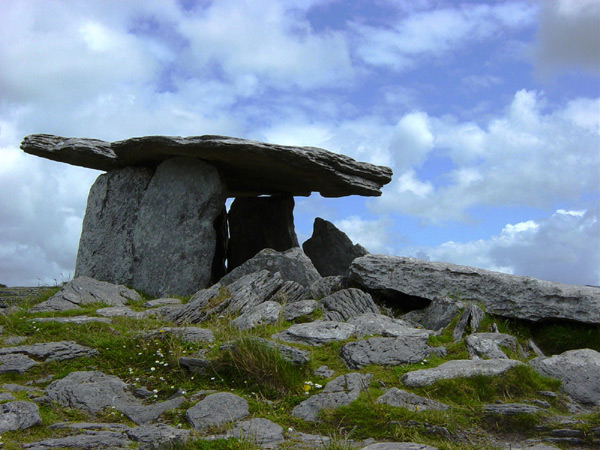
<point x="249" y="168"/>
<point x="457" y="369"/>
<point x="404" y="281"/>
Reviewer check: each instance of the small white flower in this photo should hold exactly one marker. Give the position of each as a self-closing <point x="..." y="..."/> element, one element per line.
<point x="152" y="369"/>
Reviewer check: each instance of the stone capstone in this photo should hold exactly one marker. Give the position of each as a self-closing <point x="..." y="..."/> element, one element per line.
<point x="346" y="304"/>
<point x="404" y="399"/>
<point x="84" y="291"/>
<point x="457" y="369"/>
<point x="216" y="410"/>
<point x="340" y="391"/>
<point x="256" y="223"/>
<point x="18" y="415"/>
<point x="577" y="369"/>
<point x="405" y="280"/>
<point x="249" y="168"/>
<point x="330" y="249"/>
<point x="385" y="351"/>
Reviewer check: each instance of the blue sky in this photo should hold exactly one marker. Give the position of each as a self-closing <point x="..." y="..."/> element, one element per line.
<point x="488" y="112"/>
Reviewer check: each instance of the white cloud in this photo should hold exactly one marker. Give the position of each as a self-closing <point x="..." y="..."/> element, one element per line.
<point x="433" y="32"/>
<point x="568" y="37"/>
<point x="564" y="247"/>
<point x="374" y="235"/>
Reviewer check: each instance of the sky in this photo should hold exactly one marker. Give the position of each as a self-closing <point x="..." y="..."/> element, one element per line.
<point x="488" y="112"/>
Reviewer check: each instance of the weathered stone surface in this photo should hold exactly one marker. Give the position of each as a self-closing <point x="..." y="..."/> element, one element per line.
<point x="577" y="369"/>
<point x="457" y="369"/>
<point x="51" y="351"/>
<point x="16" y="363"/>
<point x="404" y="399"/>
<point x="471" y="317"/>
<point x="510" y="409"/>
<point x="501" y="294"/>
<point x="174" y="249"/>
<point x="340" y="391"/>
<point x="194" y="364"/>
<point x="249" y="168"/>
<point x="258" y="431"/>
<point x="385" y="351"/>
<point x="378" y="324"/>
<point x="346" y="304"/>
<point x="217" y="409"/>
<point x="18" y="415"/>
<point x="293" y="265"/>
<point x="330" y="250"/>
<point x="256" y="223"/>
<point x="161" y="302"/>
<point x="6" y="397"/>
<point x="398" y="446"/>
<point x="300" y="308"/>
<point x="186" y="334"/>
<point x="83" y="291"/>
<point x="244" y="293"/>
<point x="265" y="313"/>
<point x="106" y="251"/>
<point x="89" y="440"/>
<point x="158" y="434"/>
<point x="79" y="320"/>
<point x="437" y="315"/>
<point x="143" y="414"/>
<point x="120" y="311"/>
<point x="487" y="345"/>
<point x="326" y="286"/>
<point x="316" y="333"/>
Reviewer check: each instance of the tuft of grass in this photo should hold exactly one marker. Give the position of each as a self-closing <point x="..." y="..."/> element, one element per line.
<point x="252" y="365"/>
<point x="216" y="444"/>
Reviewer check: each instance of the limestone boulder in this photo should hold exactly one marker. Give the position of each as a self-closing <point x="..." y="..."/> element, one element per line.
<point x="404" y="399"/>
<point x="487" y="345"/>
<point x="330" y="249"/>
<point x="256" y="223"/>
<point x="385" y="351"/>
<point x="216" y="410"/>
<point x="577" y="369"/>
<point x="249" y="168"/>
<point x="259" y="431"/>
<point x="410" y="282"/>
<point x="19" y="415"/>
<point x="316" y="333"/>
<point x="346" y="304"/>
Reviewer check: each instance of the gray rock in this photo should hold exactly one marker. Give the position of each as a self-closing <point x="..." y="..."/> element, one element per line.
<point x="158" y="434"/>
<point x="142" y="414"/>
<point x="297" y="309"/>
<point x="292" y="265"/>
<point x="402" y="280"/>
<point x="6" y="397"/>
<point x="241" y="295"/>
<point x="487" y="345"/>
<point x="51" y="351"/>
<point x="161" y="302"/>
<point x="340" y="391"/>
<point x="79" y="320"/>
<point x="216" y="410"/>
<point x="577" y="369"/>
<point x="89" y="440"/>
<point x="323" y="371"/>
<point x="186" y="334"/>
<point x="378" y="324"/>
<point x="256" y="223"/>
<point x="13" y="387"/>
<point x="249" y="168"/>
<point x="194" y="364"/>
<point x="457" y="369"/>
<point x="385" y="351"/>
<point x="174" y="248"/>
<point x="16" y="363"/>
<point x="258" y="431"/>
<point x="79" y="426"/>
<point x="316" y="333"/>
<point x="106" y="250"/>
<point x="83" y="291"/>
<point x="471" y="317"/>
<point x="120" y="311"/>
<point x="14" y="340"/>
<point x="291" y="292"/>
<point x="330" y="249"/>
<point x="398" y="446"/>
<point x="292" y="354"/>
<point x="404" y="399"/>
<point x="265" y="313"/>
<point x="346" y="304"/>
<point x="327" y="285"/>
<point x="18" y="415"/>
<point x="511" y="409"/>
<point x="437" y="315"/>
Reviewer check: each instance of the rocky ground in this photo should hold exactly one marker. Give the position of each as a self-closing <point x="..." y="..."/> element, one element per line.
<point x="273" y="360"/>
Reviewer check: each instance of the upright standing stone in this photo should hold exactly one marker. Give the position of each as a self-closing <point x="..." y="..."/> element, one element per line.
<point x="175" y="236"/>
<point x="256" y="223"/>
<point x="106" y="245"/>
<point x="330" y="250"/>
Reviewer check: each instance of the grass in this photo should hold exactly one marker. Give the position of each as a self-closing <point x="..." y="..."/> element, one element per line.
<point x="273" y="386"/>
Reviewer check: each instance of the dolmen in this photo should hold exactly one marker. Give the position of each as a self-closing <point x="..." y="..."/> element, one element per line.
<point x="157" y="221"/>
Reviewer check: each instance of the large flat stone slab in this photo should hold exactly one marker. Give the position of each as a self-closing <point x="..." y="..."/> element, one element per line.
<point x="401" y="280"/>
<point x="250" y="168"/>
